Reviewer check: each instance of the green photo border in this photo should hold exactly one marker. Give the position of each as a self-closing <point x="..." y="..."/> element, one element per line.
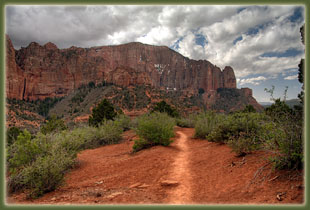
<point x="3" y="3"/>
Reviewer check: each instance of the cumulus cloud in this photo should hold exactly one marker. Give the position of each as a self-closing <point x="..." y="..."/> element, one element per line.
<point x="258" y="30"/>
<point x="238" y="36"/>
<point x="253" y="80"/>
<point x="292" y="77"/>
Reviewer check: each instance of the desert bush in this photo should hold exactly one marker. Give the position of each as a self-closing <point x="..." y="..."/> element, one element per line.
<point x="288" y="123"/>
<point x="45" y="174"/>
<point x="22" y="152"/>
<point x="134" y="123"/>
<point x="110" y="132"/>
<point x="249" y="108"/>
<point x="103" y="111"/>
<point x="205" y="123"/>
<point x="141" y="144"/>
<point x="165" y="108"/>
<point x="279" y="111"/>
<point x="220" y="133"/>
<point x="285" y="139"/>
<point x="187" y="122"/>
<point x="76" y="140"/>
<point x="244" y="143"/>
<point x="12" y="134"/>
<point x="53" y="125"/>
<point x="154" y="129"/>
<point x="235" y="124"/>
<point x="123" y="121"/>
<point x="38" y="165"/>
<point x="290" y="147"/>
<point x="91" y="85"/>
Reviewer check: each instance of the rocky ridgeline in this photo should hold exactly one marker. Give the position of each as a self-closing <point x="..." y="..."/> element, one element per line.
<point x="37" y="72"/>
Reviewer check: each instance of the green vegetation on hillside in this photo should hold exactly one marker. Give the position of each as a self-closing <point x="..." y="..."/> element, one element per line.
<point x="53" y="125"/>
<point x="103" y="111"/>
<point x="165" y="108"/>
<point x="12" y="134"/>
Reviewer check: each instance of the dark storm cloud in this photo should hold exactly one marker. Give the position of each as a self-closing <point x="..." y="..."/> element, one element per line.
<point x="75" y="25"/>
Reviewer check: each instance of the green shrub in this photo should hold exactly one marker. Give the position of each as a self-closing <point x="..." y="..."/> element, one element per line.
<point x="141" y="144"/>
<point x="82" y="138"/>
<point x="201" y="91"/>
<point x="134" y="123"/>
<point x="235" y="124"/>
<point x="22" y="152"/>
<point x="244" y="143"/>
<point x="165" y="108"/>
<point x="12" y="134"/>
<point x="205" y="123"/>
<point x="45" y="174"/>
<point x="279" y="111"/>
<point x="271" y="134"/>
<point x="249" y="108"/>
<point x="286" y="139"/>
<point x="154" y="129"/>
<point x="123" y="121"/>
<point x="53" y="125"/>
<point x="220" y="133"/>
<point x="38" y="165"/>
<point x="76" y="140"/>
<point x="110" y="132"/>
<point x="103" y="111"/>
<point x="187" y="122"/>
<point x="91" y="84"/>
<point x="289" y="144"/>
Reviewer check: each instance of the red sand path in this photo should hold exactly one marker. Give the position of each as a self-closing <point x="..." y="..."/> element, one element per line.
<point x="189" y="171"/>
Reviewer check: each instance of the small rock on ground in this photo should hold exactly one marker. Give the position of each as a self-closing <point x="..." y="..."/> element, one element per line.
<point x="113" y="195"/>
<point x="169" y="183"/>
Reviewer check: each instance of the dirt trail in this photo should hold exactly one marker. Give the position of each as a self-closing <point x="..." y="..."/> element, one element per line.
<point x="189" y="171"/>
<point x="181" y="173"/>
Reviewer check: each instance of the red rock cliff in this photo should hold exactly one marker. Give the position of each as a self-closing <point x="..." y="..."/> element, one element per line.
<point x="46" y="71"/>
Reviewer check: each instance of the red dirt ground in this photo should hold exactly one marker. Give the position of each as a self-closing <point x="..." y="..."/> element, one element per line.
<point x="189" y="171"/>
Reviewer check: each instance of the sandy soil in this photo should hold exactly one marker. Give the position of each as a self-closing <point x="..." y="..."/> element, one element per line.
<point x="189" y="171"/>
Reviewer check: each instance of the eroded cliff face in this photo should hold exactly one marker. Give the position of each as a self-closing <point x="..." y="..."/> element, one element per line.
<point x="14" y="74"/>
<point x="37" y="72"/>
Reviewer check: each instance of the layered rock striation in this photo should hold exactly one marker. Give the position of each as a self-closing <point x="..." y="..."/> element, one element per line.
<point x="37" y="72"/>
<point x="45" y="71"/>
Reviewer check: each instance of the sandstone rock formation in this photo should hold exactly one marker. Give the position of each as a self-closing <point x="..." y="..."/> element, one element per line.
<point x="46" y="71"/>
<point x="37" y="72"/>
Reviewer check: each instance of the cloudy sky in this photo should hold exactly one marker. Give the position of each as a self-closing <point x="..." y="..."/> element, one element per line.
<point x="261" y="43"/>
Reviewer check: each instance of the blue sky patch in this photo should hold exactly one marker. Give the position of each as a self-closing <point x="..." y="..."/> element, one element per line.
<point x="287" y="53"/>
<point x="294" y="87"/>
<point x="240" y="9"/>
<point x="237" y="40"/>
<point x="200" y="40"/>
<point x="255" y="30"/>
<point x="176" y="46"/>
<point x="297" y="15"/>
<point x="252" y="31"/>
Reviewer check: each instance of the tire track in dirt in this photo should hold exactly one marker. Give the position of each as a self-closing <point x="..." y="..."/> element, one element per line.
<point x="181" y="194"/>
